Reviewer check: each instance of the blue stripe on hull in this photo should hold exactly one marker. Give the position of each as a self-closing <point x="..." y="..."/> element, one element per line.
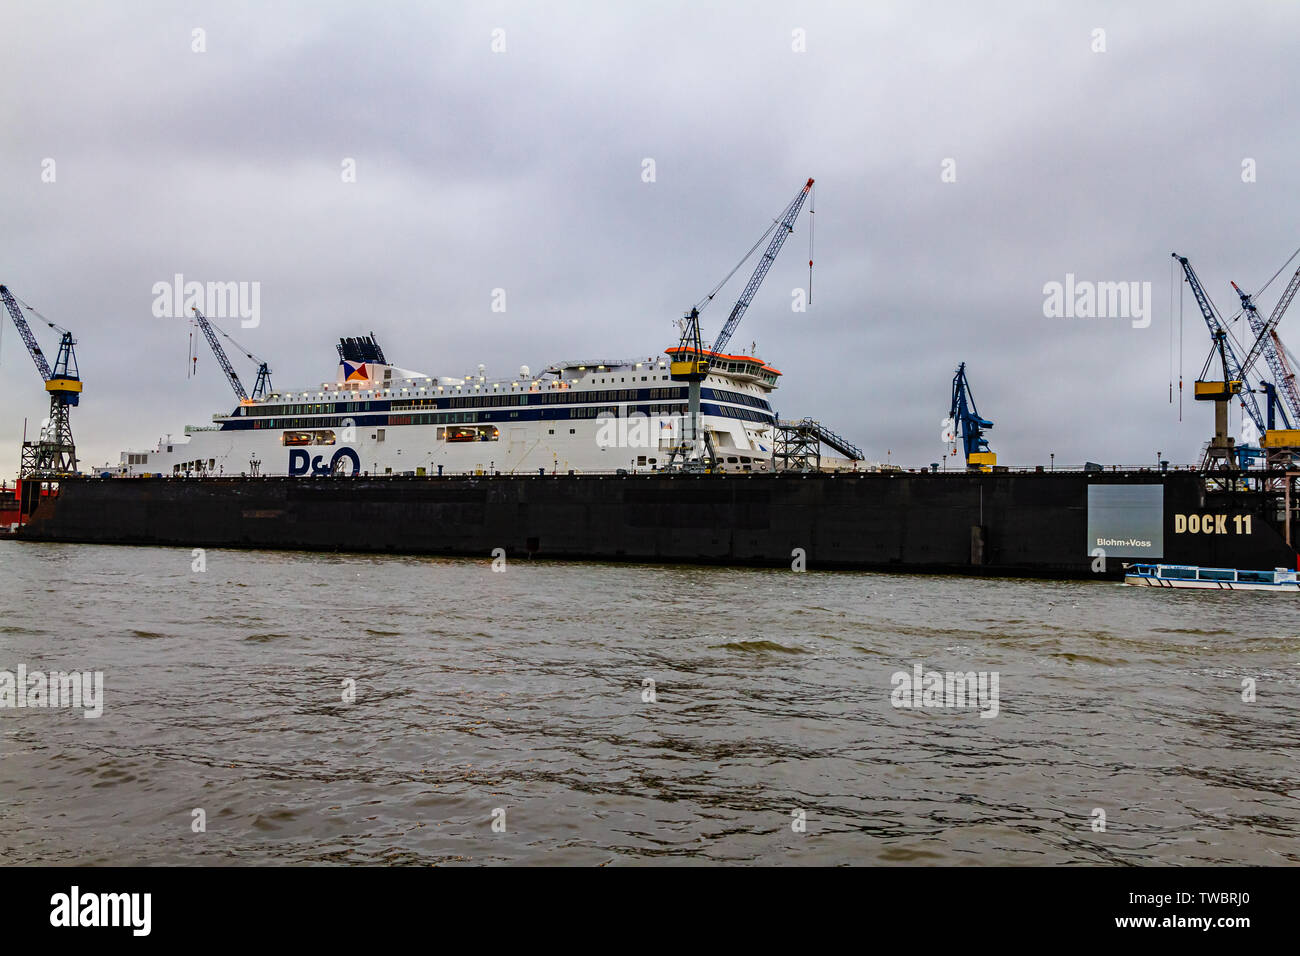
<point x="500" y="416"/>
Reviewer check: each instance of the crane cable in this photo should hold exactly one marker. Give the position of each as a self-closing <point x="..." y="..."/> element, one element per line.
<point x="1241" y="311"/>
<point x="718" y="288"/>
<point x="1171" y="330"/>
<point x="247" y="354"/>
<point x="1269" y="282"/>
<point x="1279" y="271"/>
<point x="53" y="325"/>
<point x="812" y="209"/>
<point x="1180" y="350"/>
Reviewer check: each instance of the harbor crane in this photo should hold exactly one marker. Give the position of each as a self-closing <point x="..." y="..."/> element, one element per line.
<point x="690" y="360"/>
<point x="1269" y="345"/>
<point x="54" y="454"/>
<point x="965" y="420"/>
<point x="1280" y="447"/>
<point x="1232" y="383"/>
<point x="263" y="384"/>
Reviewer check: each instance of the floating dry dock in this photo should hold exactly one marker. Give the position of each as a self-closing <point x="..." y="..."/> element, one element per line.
<point x="1044" y="524"/>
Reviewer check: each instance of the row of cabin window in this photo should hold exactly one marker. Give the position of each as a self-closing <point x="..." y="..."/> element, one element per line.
<point x="564" y="397"/>
<point x="455" y="418"/>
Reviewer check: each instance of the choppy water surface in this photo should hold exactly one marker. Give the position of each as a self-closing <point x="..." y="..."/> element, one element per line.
<point x="523" y="691"/>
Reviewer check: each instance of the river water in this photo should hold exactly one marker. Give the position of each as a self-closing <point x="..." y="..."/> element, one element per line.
<point x="302" y="708"/>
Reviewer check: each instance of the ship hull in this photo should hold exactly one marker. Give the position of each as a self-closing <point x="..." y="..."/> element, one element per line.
<point x="1035" y="524"/>
<point x="1145" y="582"/>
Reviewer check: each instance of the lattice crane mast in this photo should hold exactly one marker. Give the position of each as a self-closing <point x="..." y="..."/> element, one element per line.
<point x="1267" y="344"/>
<point x="690" y="360"/>
<point x="1231" y="385"/>
<point x="964" y="420"/>
<point x="54" y="454"/>
<point x="263" y="384"/>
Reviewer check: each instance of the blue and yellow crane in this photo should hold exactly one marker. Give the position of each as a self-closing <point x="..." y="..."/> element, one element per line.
<point x="54" y="454"/>
<point x="1231" y="382"/>
<point x="1267" y="344"/>
<point x="964" y="420"/>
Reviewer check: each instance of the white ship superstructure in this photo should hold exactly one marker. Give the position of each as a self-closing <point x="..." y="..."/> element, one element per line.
<point x="598" y="415"/>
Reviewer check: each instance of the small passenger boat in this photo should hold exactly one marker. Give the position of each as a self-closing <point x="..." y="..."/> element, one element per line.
<point x="1224" y="579"/>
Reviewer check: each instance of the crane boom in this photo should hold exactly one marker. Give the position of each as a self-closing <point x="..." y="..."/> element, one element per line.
<point x="1287" y="384"/>
<point x="54" y="454"/>
<point x="1266" y="342"/>
<point x="690" y="362"/>
<point x="785" y="226"/>
<point x="967" y="420"/>
<point x="1232" y="369"/>
<point x="220" y="353"/>
<point x="25" y="333"/>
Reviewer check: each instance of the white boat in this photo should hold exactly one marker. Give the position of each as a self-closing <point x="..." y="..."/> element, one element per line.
<point x="1222" y="579"/>
<point x="593" y="415"/>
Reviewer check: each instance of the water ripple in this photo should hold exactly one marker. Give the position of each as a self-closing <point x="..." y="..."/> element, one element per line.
<point x="397" y="710"/>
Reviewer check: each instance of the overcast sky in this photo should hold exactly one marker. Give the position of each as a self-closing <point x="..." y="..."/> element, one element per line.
<point x="522" y="170"/>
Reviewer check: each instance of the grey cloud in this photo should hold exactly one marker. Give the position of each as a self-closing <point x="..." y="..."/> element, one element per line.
<point x="522" y="171"/>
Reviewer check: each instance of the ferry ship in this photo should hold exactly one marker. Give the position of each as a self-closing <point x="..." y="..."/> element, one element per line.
<point x="559" y="465"/>
<point x="575" y="417"/>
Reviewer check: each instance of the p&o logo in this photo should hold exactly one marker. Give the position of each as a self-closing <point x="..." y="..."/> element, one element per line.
<point x="302" y="463"/>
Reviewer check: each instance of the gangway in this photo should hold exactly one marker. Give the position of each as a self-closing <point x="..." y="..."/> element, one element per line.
<point x="798" y="445"/>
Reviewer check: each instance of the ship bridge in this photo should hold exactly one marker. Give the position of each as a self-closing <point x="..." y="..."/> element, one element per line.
<point x="749" y="368"/>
